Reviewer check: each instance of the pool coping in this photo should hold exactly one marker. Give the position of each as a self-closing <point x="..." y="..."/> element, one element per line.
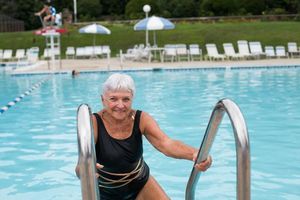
<point x="102" y="66"/>
<point x="157" y="69"/>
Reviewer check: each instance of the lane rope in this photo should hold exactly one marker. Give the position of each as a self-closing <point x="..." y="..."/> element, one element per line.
<point x="19" y="98"/>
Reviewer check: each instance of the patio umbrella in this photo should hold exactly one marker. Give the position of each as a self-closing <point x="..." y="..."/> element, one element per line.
<point x="95" y="29"/>
<point x="154" y="23"/>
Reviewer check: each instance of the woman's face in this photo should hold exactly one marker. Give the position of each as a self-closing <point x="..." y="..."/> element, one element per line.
<point x="117" y="104"/>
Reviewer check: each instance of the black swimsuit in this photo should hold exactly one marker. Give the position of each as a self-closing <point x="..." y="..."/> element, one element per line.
<point x="125" y="173"/>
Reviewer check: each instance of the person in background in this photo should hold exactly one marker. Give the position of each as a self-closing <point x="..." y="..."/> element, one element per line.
<point x="49" y="11"/>
<point x="74" y="73"/>
<point x="123" y="173"/>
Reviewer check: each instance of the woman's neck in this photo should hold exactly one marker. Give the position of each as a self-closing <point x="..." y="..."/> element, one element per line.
<point x="118" y="129"/>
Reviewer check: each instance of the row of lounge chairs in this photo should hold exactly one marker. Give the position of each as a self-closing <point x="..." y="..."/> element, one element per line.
<point x="182" y="52"/>
<point x="251" y="50"/>
<point x="170" y="52"/>
<point x="32" y="54"/>
<point x="81" y="52"/>
<point x="88" y="52"/>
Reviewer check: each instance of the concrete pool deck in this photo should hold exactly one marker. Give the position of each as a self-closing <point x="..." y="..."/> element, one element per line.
<point x="114" y="64"/>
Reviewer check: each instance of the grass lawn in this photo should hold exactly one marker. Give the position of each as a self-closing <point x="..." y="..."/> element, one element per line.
<point x="123" y="36"/>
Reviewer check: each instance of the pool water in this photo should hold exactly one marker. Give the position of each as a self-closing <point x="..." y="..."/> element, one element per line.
<point x="38" y="144"/>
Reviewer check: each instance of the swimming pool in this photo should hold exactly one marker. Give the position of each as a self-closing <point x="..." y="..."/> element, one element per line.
<point x="38" y="148"/>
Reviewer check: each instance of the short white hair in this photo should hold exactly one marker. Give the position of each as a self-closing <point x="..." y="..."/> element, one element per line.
<point x="118" y="82"/>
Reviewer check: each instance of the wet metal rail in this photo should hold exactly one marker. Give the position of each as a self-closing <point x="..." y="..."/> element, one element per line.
<point x="242" y="148"/>
<point x="86" y="154"/>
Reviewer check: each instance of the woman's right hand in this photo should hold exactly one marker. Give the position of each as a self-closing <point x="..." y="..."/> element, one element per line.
<point x="98" y="166"/>
<point x="77" y="170"/>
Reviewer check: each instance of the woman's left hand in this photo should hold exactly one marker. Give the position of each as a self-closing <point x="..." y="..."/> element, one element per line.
<point x="204" y="165"/>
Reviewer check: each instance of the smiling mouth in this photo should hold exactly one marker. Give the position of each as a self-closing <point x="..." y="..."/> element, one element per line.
<point x="120" y="111"/>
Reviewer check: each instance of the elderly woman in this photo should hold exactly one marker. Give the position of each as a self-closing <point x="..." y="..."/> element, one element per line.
<point x="118" y="130"/>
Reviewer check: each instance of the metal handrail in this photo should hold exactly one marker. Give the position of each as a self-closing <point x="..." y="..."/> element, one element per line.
<point x="86" y="154"/>
<point x="242" y="148"/>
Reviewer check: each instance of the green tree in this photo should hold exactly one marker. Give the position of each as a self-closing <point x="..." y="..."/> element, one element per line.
<point x="89" y="10"/>
<point x="290" y="6"/>
<point x="218" y="7"/>
<point x="134" y="8"/>
<point x="254" y="7"/>
<point x="25" y="12"/>
<point x="63" y="4"/>
<point x="293" y="6"/>
<point x="8" y="8"/>
<point x="179" y="8"/>
<point x="114" y="7"/>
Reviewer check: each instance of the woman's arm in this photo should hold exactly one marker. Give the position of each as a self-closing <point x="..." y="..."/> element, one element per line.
<point x="168" y="146"/>
<point x="163" y="143"/>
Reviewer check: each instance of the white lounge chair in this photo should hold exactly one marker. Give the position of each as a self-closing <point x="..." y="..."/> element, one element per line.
<point x="230" y="52"/>
<point x="90" y="52"/>
<point x="98" y="51"/>
<point x="243" y="48"/>
<point x="20" y="54"/>
<point x="195" y="52"/>
<point x="293" y="49"/>
<point x="131" y="54"/>
<point x="256" y="49"/>
<point x="169" y="52"/>
<point x="182" y="52"/>
<point x="70" y="53"/>
<point x="106" y="51"/>
<point x="7" y="54"/>
<point x="212" y="52"/>
<point x="32" y="54"/>
<point x="1" y="54"/>
<point x="270" y="53"/>
<point x="80" y="52"/>
<point x="280" y="52"/>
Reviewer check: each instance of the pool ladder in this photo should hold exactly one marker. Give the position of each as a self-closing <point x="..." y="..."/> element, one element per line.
<point x="242" y="148"/>
<point x="86" y="154"/>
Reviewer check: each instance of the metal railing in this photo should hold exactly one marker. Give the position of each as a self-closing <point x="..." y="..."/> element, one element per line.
<point x="86" y="154"/>
<point x="242" y="148"/>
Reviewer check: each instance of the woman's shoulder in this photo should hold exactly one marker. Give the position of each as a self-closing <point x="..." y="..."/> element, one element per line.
<point x="98" y="113"/>
<point x="145" y="118"/>
<point x="145" y="114"/>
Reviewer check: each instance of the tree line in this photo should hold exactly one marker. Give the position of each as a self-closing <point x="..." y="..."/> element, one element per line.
<point x="90" y="10"/>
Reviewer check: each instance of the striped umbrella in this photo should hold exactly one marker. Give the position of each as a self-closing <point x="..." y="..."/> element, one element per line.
<point x="154" y="23"/>
<point x="95" y="29"/>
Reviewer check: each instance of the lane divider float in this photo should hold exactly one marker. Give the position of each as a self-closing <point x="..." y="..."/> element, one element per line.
<point x="19" y="98"/>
